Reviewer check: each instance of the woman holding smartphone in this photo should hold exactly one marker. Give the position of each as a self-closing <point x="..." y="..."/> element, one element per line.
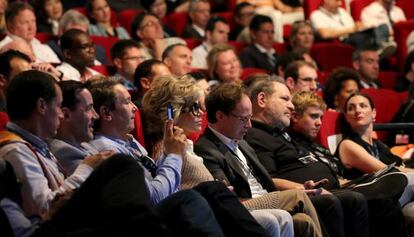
<point x="187" y="102"/>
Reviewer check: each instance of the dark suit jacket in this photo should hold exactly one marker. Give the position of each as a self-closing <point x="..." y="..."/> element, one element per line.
<point x="223" y="164"/>
<point x="190" y="32"/>
<point x="252" y="57"/>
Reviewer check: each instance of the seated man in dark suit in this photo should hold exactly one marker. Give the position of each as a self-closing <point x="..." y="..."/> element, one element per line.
<point x="285" y="157"/>
<point x="260" y="53"/>
<point x="230" y="159"/>
<point x="199" y="12"/>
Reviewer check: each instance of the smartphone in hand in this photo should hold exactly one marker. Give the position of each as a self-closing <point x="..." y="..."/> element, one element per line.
<point x="170" y="112"/>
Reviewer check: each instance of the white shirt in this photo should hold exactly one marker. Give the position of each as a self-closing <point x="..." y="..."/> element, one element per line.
<point x="322" y="19"/>
<point x="72" y="73"/>
<point x="200" y="30"/>
<point x="42" y="52"/>
<point x="375" y="15"/>
<point x="200" y="56"/>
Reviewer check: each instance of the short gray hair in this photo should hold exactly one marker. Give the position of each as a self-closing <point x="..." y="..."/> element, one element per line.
<point x="193" y="4"/>
<point x="74" y="17"/>
<point x="264" y="85"/>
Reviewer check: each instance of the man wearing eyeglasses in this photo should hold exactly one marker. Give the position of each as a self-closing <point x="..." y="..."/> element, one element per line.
<point x="272" y="111"/>
<point x="230" y="159"/>
<point x="78" y="55"/>
<point x="126" y="56"/>
<point x="301" y="76"/>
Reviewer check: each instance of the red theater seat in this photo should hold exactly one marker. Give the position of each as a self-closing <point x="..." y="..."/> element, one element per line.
<point x="4" y="119"/>
<point x="192" y="43"/>
<point x="250" y="71"/>
<point x="407" y="6"/>
<point x="311" y="5"/>
<point x="401" y="32"/>
<point x="178" y="21"/>
<point x="238" y="47"/>
<point x="138" y="131"/>
<point x="280" y="47"/>
<point x="229" y="17"/>
<point x="388" y="79"/>
<point x="330" y="129"/>
<point x="357" y="6"/>
<point x="106" y="42"/>
<point x="44" y="37"/>
<point x="126" y="17"/>
<point x="331" y="55"/>
<point x="386" y="101"/>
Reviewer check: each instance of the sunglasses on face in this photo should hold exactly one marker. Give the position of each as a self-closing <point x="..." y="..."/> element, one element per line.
<point x="196" y="109"/>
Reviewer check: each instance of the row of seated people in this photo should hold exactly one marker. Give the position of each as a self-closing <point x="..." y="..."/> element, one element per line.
<point x="323" y="55"/>
<point x="367" y="65"/>
<point x="91" y="60"/>
<point x="79" y="119"/>
<point x="131" y="18"/>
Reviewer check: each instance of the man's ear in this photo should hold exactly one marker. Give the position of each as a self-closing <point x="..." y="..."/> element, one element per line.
<point x="290" y="83"/>
<point x="117" y="63"/>
<point x="3" y="82"/>
<point x="294" y="117"/>
<point x="261" y="100"/>
<point x="66" y="113"/>
<point x="105" y="113"/>
<point x="41" y="106"/>
<point x="66" y="54"/>
<point x="167" y="62"/>
<point x="208" y="35"/>
<point x="145" y="83"/>
<point x="138" y="33"/>
<point x="356" y="65"/>
<point x="219" y="115"/>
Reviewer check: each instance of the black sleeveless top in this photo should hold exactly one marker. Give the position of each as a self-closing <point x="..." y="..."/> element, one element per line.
<point x="379" y="150"/>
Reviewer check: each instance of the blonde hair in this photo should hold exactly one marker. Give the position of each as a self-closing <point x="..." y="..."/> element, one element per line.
<point x="180" y="92"/>
<point x="212" y="59"/>
<point x="296" y="27"/>
<point x="305" y="99"/>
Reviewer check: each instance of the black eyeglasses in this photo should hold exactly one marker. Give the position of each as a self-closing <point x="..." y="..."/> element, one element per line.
<point x="243" y="119"/>
<point x="196" y="109"/>
<point x="84" y="46"/>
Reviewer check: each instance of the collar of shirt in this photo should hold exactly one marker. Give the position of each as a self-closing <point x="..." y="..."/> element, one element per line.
<point x="198" y="29"/>
<point x="269" y="52"/>
<point x="206" y="46"/>
<point x="232" y="144"/>
<point x="265" y="127"/>
<point x="128" y="84"/>
<point x="35" y="141"/>
<point x="128" y="143"/>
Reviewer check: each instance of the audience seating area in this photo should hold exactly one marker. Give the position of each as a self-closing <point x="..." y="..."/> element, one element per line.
<point x="329" y="55"/>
